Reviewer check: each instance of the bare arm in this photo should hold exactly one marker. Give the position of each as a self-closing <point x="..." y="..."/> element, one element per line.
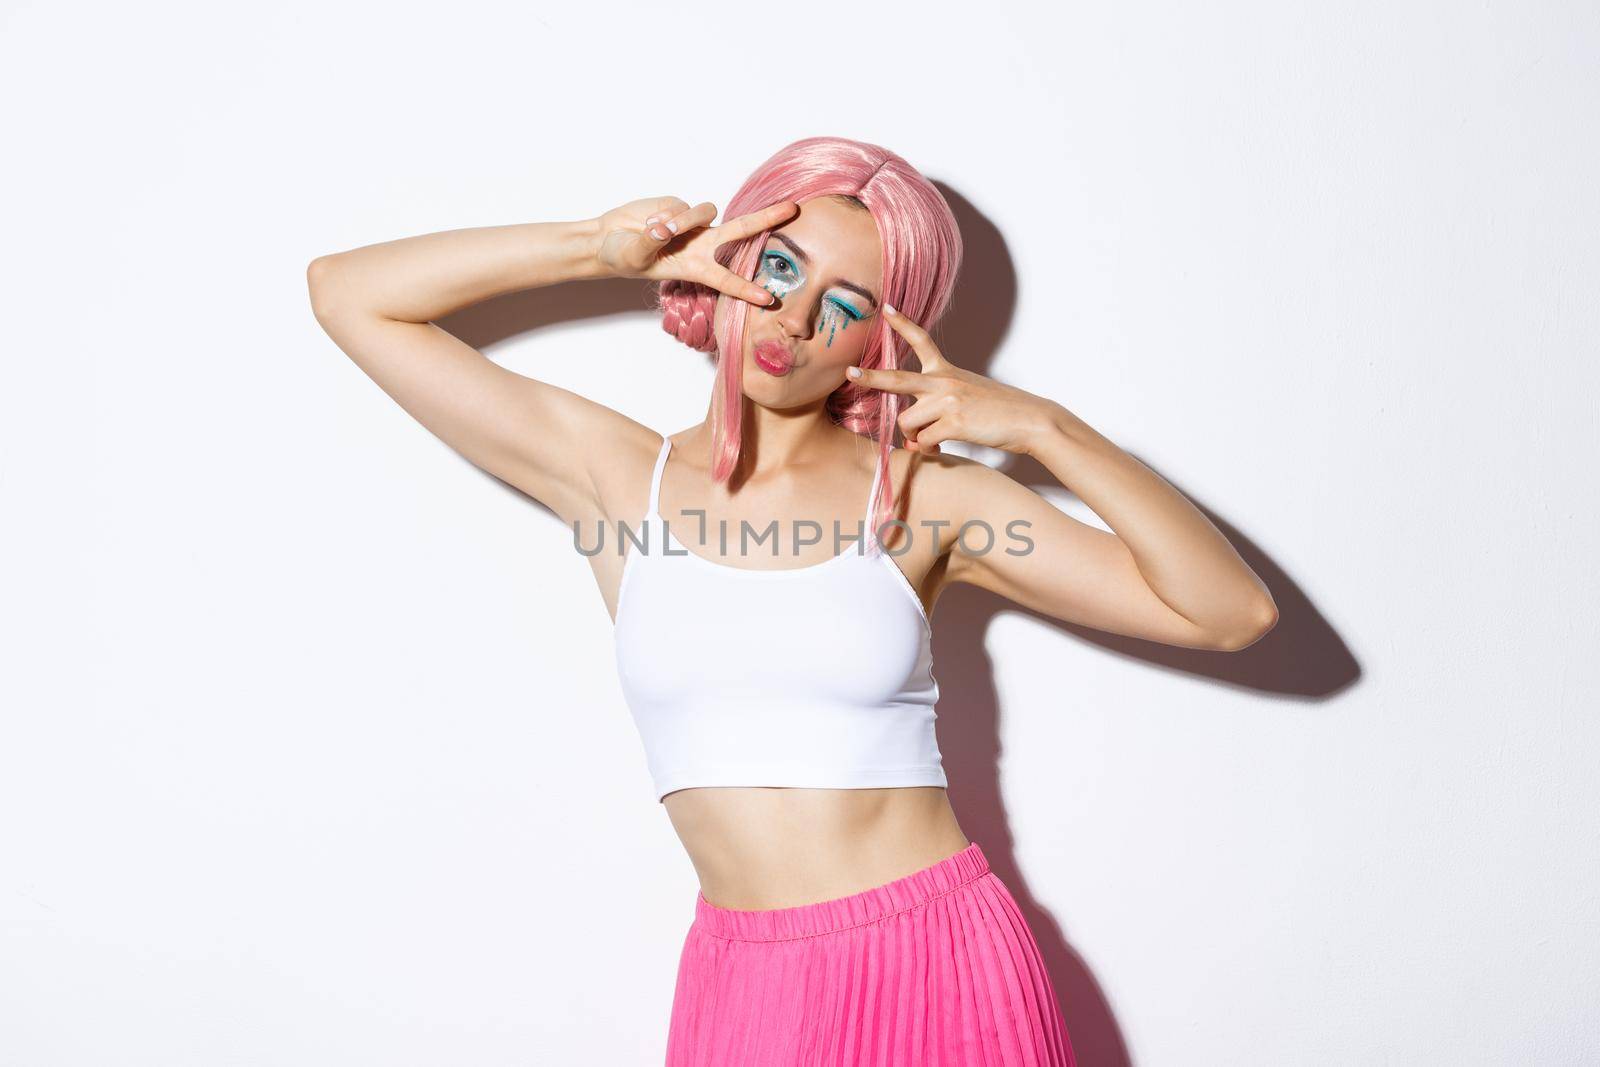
<point x="377" y="303"/>
<point x="1165" y="574"/>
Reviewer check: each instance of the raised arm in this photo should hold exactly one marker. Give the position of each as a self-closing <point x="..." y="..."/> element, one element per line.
<point x="378" y="304"/>
<point x="1165" y="574"/>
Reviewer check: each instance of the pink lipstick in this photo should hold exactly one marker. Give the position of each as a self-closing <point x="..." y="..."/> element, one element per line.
<point x="773" y="358"/>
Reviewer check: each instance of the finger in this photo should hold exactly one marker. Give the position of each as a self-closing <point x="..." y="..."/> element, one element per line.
<point x="929" y="438"/>
<point x="915" y="336"/>
<point x="668" y="208"/>
<point x="765" y="219"/>
<point x="926" y="440"/>
<point x="892" y="381"/>
<point x="681" y="223"/>
<point x="724" y="280"/>
<point x="664" y="207"/>
<point x="695" y="217"/>
<point x="918" y="415"/>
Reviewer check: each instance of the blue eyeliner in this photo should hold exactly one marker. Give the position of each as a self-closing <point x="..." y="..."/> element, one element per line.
<point x="788" y="281"/>
<point x="782" y="276"/>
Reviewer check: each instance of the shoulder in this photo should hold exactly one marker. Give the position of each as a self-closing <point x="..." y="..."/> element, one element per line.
<point x="623" y="485"/>
<point x="942" y="481"/>
<point x="937" y="494"/>
<point x="967" y="494"/>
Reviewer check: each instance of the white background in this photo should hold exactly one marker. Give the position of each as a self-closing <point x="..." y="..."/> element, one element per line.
<point x="312" y="750"/>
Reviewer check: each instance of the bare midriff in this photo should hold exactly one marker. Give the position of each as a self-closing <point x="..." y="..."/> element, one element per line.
<point x="756" y="848"/>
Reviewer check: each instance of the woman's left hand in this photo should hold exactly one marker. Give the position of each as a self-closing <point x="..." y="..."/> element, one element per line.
<point x="956" y="404"/>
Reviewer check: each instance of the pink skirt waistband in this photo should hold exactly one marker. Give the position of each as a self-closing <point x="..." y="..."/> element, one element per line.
<point x="842" y="913"/>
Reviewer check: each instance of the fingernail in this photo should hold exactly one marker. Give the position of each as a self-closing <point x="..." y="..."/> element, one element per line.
<point x="673" y="225"/>
<point x="853" y="372"/>
<point x="658" y="232"/>
<point x="890" y="308"/>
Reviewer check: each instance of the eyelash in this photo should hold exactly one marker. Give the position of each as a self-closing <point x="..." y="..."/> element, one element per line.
<point x="846" y="309"/>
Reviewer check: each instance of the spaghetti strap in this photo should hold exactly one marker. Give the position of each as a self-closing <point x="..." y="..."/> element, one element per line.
<point x="869" y="535"/>
<point x="655" y="479"/>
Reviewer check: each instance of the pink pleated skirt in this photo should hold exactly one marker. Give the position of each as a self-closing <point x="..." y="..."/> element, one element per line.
<point x="938" y="967"/>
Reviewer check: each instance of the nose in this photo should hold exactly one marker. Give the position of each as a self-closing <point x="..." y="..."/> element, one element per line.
<point x="796" y="315"/>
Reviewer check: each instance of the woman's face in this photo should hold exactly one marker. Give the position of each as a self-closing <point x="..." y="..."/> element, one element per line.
<point x="825" y="268"/>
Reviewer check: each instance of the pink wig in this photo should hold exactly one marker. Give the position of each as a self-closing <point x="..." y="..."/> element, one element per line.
<point x="921" y="258"/>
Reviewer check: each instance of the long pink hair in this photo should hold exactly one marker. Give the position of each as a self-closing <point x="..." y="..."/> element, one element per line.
<point x="921" y="257"/>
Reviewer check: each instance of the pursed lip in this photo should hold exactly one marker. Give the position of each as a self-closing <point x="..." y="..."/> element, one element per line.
<point x="776" y="369"/>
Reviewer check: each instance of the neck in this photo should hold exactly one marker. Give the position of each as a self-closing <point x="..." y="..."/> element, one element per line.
<point x="774" y="439"/>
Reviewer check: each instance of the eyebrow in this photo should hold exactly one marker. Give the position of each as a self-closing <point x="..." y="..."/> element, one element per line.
<point x="801" y="254"/>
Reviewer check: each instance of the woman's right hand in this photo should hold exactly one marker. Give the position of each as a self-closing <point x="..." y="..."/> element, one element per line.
<point x="637" y="240"/>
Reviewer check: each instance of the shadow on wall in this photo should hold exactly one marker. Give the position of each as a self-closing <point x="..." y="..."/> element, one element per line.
<point x="1302" y="657"/>
<point x="489" y="323"/>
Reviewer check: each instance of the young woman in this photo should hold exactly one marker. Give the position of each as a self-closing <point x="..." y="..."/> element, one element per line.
<point x="783" y="686"/>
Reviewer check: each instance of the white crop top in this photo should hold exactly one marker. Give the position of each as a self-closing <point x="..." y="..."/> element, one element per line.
<point x="818" y="676"/>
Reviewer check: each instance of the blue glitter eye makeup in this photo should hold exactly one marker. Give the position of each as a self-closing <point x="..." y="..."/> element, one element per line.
<point x="780" y="275"/>
<point x="836" y="316"/>
<point x="855" y="316"/>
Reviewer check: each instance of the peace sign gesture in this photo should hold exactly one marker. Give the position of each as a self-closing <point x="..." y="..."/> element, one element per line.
<point x="664" y="238"/>
<point x="955" y="404"/>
